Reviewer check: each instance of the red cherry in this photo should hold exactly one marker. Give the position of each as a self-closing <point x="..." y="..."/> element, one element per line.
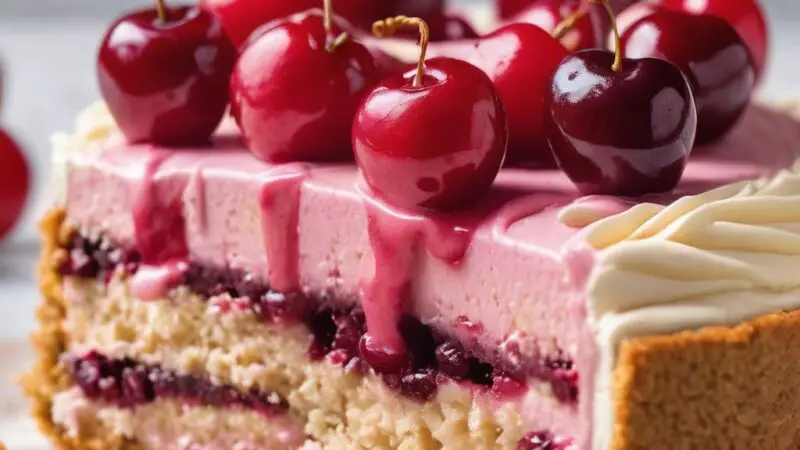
<point x="242" y="17"/>
<point x="519" y="58"/>
<point x="14" y="183"/>
<point x="294" y="91"/>
<point x="710" y="53"/>
<point x="549" y="14"/>
<point x="746" y="16"/>
<point x="620" y="126"/>
<point x="165" y="73"/>
<point x="431" y="138"/>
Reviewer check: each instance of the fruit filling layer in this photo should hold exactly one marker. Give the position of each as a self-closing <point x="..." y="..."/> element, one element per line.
<point x="170" y="424"/>
<point x="126" y="383"/>
<point x="338" y="332"/>
<point x="190" y="336"/>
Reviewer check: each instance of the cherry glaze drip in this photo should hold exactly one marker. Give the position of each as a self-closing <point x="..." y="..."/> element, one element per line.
<point x="280" y="207"/>
<point x="396" y="236"/>
<point x="159" y="230"/>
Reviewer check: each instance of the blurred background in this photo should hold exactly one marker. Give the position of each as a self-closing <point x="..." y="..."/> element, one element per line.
<point x="48" y="50"/>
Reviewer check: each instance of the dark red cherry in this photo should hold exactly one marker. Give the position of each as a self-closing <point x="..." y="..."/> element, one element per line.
<point x="710" y="53"/>
<point x="14" y="183"/>
<point x="746" y="16"/>
<point x="431" y="138"/>
<point x="385" y="360"/>
<point x="549" y="14"/>
<point x="296" y="88"/>
<point x="519" y="59"/>
<point x="620" y="126"/>
<point x="164" y="74"/>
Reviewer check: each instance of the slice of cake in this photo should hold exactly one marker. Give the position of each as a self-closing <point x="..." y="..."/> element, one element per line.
<point x="223" y="288"/>
<point x="518" y="320"/>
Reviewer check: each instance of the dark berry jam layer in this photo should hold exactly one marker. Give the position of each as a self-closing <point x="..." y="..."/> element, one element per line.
<point x="125" y="383"/>
<point x="339" y="333"/>
<point x="544" y="440"/>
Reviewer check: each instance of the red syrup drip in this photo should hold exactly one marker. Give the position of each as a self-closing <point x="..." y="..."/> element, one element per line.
<point x="396" y="237"/>
<point x="280" y="208"/>
<point x="159" y="230"/>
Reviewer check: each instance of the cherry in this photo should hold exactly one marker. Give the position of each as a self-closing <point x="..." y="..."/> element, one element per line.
<point x="711" y="55"/>
<point x="387" y="359"/>
<point x="544" y="440"/>
<point x="434" y="137"/>
<point x="620" y="126"/>
<point x="746" y="16"/>
<point x="164" y="73"/>
<point x="564" y="19"/>
<point x="519" y="58"/>
<point x="296" y="88"/>
<point x="242" y="17"/>
<point x="14" y="183"/>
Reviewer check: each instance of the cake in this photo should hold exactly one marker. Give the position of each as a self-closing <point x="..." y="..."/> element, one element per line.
<point x="204" y="297"/>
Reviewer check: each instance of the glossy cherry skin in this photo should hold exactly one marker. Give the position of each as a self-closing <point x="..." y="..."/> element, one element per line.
<point x="626" y="133"/>
<point x="746" y="16"/>
<point x="438" y="146"/>
<point x="166" y="83"/>
<point x="710" y="53"/>
<point x="519" y="58"/>
<point x="14" y="183"/>
<point x="547" y="14"/>
<point x="242" y="17"/>
<point x="293" y="99"/>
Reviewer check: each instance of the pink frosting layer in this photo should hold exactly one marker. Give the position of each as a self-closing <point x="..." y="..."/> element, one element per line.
<point x="505" y="264"/>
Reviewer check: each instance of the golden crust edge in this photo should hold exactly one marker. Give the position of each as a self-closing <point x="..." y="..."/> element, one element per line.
<point x="647" y="366"/>
<point x="48" y="376"/>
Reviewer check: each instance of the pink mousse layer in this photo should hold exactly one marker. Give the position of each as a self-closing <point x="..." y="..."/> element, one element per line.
<point x="502" y="265"/>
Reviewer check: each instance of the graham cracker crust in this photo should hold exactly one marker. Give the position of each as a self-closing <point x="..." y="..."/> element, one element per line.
<point x="715" y="388"/>
<point x="48" y="376"/>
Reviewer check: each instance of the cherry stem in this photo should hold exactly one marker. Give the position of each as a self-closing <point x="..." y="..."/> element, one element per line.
<point x="617" y="42"/>
<point x="327" y="16"/>
<point x="568" y="24"/>
<point x="161" y="9"/>
<point x="389" y="26"/>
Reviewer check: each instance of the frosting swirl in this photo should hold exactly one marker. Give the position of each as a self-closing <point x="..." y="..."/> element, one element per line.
<point x="743" y="236"/>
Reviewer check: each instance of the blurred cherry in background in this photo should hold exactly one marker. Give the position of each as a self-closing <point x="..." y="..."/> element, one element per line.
<point x="14" y="177"/>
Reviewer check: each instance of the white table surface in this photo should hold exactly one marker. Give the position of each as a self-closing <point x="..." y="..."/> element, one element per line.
<point x="49" y="48"/>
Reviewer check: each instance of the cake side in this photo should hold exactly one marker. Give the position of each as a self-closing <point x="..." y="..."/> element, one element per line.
<point x="48" y="377"/>
<point x="716" y="388"/>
